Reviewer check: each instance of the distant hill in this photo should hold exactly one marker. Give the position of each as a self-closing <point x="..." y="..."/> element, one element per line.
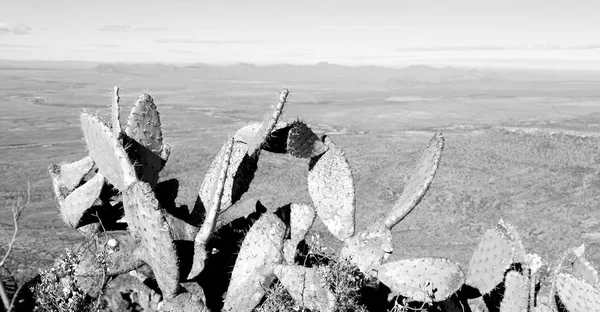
<point x="321" y="72"/>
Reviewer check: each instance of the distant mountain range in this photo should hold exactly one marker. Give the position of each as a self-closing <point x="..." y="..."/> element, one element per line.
<point x="320" y="72"/>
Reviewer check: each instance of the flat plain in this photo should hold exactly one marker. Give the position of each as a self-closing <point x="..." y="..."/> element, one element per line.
<point x="522" y="146"/>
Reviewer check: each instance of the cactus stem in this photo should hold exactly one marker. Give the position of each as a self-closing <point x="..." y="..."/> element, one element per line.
<point x="116" y="123"/>
<point x="208" y="225"/>
<point x="269" y="125"/>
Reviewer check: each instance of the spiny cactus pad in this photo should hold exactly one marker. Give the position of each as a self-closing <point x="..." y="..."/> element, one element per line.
<point x="331" y="188"/>
<point x="494" y="255"/>
<point x="67" y="176"/>
<point x="369" y="248"/>
<point x="577" y="295"/>
<point x="574" y="262"/>
<point x="147" y="221"/>
<point x="108" y="152"/>
<point x="302" y="217"/>
<point x="302" y="142"/>
<point x="308" y="288"/>
<point x="143" y="124"/>
<point x="256" y="142"/>
<point x="419" y="182"/>
<point x="79" y="201"/>
<point x="253" y="270"/>
<point x="240" y="174"/>
<point x="516" y="293"/>
<point x="425" y="280"/>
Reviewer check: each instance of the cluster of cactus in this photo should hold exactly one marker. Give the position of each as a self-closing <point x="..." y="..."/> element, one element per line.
<point x="115" y="192"/>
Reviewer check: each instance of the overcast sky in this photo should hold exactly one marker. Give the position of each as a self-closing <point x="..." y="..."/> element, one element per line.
<point x="508" y="33"/>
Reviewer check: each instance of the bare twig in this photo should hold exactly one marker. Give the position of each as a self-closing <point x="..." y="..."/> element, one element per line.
<point x="17" y="208"/>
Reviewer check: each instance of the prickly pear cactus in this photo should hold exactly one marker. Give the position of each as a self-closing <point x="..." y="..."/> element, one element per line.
<point x="308" y="288"/>
<point x="496" y="252"/>
<point x="253" y="271"/>
<point x="143" y="124"/>
<point x="261" y="136"/>
<point x="576" y="294"/>
<point x="115" y="114"/>
<point x="148" y="222"/>
<point x="302" y="217"/>
<point x="302" y="142"/>
<point x="369" y="248"/>
<point x="331" y="188"/>
<point x="419" y="182"/>
<point x="67" y="176"/>
<point x="107" y="152"/>
<point x="145" y="141"/>
<point x="80" y="200"/>
<point x="240" y="174"/>
<point x="516" y="293"/>
<point x="426" y="280"/>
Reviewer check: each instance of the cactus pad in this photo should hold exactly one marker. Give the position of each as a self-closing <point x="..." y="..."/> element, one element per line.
<point x="239" y="175"/>
<point x="253" y="270"/>
<point x="574" y="262"/>
<point x="369" y="248"/>
<point x="143" y="124"/>
<point x="425" y="280"/>
<point x="79" y="201"/>
<point x="419" y="182"/>
<point x="108" y="152"/>
<point x="494" y="255"/>
<point x="149" y="223"/>
<point x="302" y="217"/>
<point x="67" y="176"/>
<point x="516" y="293"/>
<point x="577" y="295"/>
<point x="331" y="188"/>
<point x="261" y="136"/>
<point x="302" y="142"/>
<point x="308" y="288"/>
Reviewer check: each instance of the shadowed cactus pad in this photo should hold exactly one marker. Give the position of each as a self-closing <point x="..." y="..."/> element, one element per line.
<point x="79" y="201"/>
<point x="494" y="255"/>
<point x="240" y="174"/>
<point x="147" y="221"/>
<point x="308" y="288"/>
<point x="253" y="270"/>
<point x="302" y="217"/>
<point x="419" y="182"/>
<point x="302" y="142"/>
<point x="67" y="176"/>
<point x="425" y="280"/>
<point x="331" y="188"/>
<point x="107" y="152"/>
<point x="577" y="295"/>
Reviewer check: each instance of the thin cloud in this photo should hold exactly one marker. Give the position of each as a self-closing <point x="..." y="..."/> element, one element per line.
<point x="498" y="48"/>
<point x="15" y="30"/>
<point x="8" y="45"/>
<point x="115" y="28"/>
<point x="128" y="28"/>
<point x="104" y="45"/>
<point x="198" y="41"/>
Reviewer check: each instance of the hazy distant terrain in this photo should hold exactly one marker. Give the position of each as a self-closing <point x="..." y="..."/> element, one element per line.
<point x="520" y="145"/>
